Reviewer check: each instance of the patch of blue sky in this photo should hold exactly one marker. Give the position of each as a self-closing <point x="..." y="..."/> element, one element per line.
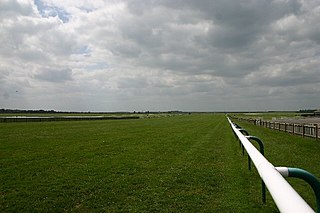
<point x="52" y="11"/>
<point x="84" y="50"/>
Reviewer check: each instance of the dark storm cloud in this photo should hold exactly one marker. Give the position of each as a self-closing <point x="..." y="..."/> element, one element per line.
<point x="234" y="23"/>
<point x="171" y="40"/>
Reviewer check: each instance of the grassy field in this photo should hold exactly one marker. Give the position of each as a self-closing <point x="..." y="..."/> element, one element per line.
<point x="189" y="163"/>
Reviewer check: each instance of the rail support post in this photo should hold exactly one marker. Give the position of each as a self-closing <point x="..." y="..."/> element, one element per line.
<point x="244" y="132"/>
<point x="261" y="146"/>
<point x="304" y="175"/>
<point x="237" y="126"/>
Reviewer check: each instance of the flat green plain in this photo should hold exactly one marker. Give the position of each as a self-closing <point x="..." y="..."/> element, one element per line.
<point x="187" y="163"/>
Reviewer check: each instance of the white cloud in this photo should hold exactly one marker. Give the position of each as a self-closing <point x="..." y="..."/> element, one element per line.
<point x="159" y="55"/>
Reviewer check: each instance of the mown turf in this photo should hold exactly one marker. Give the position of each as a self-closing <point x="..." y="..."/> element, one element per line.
<point x="285" y="149"/>
<point x="174" y="164"/>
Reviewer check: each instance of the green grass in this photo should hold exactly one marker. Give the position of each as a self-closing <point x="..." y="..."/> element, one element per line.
<point x="189" y="163"/>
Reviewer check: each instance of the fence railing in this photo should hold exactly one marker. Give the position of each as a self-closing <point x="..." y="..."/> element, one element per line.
<point x="307" y="130"/>
<point x="285" y="197"/>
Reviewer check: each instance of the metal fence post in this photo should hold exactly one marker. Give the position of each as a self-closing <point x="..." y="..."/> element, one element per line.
<point x="261" y="146"/>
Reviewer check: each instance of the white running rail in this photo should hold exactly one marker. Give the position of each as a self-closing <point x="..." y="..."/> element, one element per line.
<point x="285" y="197"/>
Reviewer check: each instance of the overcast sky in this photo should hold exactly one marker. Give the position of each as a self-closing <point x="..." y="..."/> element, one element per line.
<point x="137" y="55"/>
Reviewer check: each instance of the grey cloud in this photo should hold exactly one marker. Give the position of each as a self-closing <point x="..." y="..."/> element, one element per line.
<point x="6" y="95"/>
<point x="291" y="78"/>
<point x="35" y="55"/>
<point x="230" y="37"/>
<point x="185" y="53"/>
<point x="132" y="82"/>
<point x="125" y="49"/>
<point x="54" y="75"/>
<point x="59" y="43"/>
<point x="26" y="39"/>
<point x="12" y="8"/>
<point x="233" y="25"/>
<point x="240" y="23"/>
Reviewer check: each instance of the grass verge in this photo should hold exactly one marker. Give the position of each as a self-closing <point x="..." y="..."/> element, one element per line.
<point x="189" y="163"/>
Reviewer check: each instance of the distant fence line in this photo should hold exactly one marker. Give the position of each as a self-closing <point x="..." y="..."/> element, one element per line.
<point x="62" y="118"/>
<point x="305" y="130"/>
